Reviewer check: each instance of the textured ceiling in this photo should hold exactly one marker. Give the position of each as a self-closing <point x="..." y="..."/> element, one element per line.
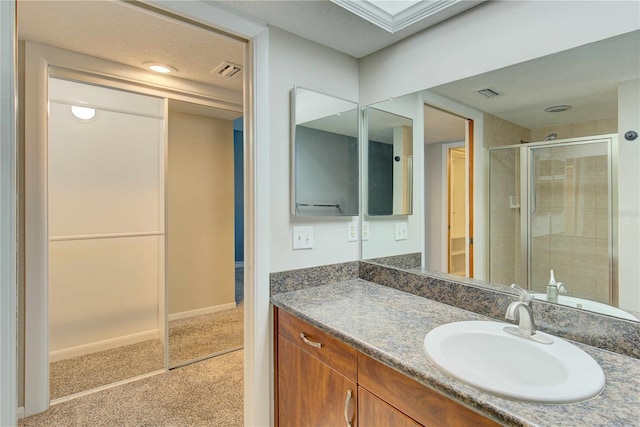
<point x="122" y="33"/>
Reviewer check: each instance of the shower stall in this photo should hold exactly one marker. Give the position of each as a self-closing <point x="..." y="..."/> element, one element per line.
<point x="549" y="208"/>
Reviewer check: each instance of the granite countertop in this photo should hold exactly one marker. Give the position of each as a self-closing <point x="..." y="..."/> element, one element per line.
<point x="390" y="326"/>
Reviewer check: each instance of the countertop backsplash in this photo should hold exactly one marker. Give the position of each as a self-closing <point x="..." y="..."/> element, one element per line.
<point x="609" y="333"/>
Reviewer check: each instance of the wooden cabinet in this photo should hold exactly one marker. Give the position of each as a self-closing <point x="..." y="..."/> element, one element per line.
<point x="321" y="381"/>
<point x="373" y="411"/>
<point x="313" y="370"/>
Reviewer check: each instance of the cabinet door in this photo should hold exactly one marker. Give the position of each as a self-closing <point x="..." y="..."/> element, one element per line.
<point x="310" y="393"/>
<point x="375" y="412"/>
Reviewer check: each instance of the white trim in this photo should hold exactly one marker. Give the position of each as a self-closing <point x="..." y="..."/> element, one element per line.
<point x="106" y="387"/>
<point x="201" y="311"/>
<point x="258" y="367"/>
<point x="81" y="350"/>
<point x="20" y="413"/>
<point x="8" y="205"/>
<point x="105" y="236"/>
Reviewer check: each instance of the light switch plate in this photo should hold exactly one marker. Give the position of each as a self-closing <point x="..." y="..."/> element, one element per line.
<point x="352" y="232"/>
<point x="303" y="237"/>
<point x="401" y="231"/>
<point x="365" y="230"/>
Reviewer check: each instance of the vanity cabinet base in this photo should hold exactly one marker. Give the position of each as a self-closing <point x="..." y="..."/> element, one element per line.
<point x="315" y="385"/>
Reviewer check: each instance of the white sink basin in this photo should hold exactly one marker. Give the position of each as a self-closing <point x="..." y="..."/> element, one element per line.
<point x="483" y="355"/>
<point x="586" y="304"/>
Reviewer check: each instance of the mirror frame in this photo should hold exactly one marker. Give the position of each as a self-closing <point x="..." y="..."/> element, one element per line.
<point x="294" y="211"/>
<point x="407" y="170"/>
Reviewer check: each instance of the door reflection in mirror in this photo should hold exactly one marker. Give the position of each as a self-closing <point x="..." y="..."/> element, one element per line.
<point x="389" y="163"/>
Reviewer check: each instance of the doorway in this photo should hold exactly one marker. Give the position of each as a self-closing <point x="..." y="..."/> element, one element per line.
<point x="448" y="140"/>
<point x="66" y="64"/>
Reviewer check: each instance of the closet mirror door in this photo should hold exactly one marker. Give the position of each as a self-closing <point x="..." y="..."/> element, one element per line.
<point x="106" y="236"/>
<point x="204" y="280"/>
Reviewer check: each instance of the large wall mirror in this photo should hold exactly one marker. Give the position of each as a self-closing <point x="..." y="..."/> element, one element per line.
<point x="555" y="180"/>
<point x="324" y="155"/>
<point x="388" y="162"/>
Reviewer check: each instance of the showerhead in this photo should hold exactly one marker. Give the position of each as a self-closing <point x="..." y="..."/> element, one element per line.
<point x="551" y="137"/>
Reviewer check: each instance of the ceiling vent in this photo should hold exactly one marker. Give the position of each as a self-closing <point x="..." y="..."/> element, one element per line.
<point x="489" y="93"/>
<point x="228" y="69"/>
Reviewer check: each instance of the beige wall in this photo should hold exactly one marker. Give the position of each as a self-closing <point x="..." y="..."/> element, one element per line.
<point x="577" y="130"/>
<point x="498" y="132"/>
<point x="200" y="213"/>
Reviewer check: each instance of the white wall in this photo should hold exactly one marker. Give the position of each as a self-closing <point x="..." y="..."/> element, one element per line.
<point x="296" y="61"/>
<point x="629" y="196"/>
<point x="490" y="36"/>
<point x="105" y="179"/>
<point x="382" y="240"/>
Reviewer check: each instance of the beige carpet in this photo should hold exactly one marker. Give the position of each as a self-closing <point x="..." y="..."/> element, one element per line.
<point x="207" y="393"/>
<point x="93" y="370"/>
<point x="204" y="335"/>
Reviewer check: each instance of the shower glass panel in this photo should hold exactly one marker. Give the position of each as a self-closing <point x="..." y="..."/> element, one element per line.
<point x="504" y="216"/>
<point x="570" y="226"/>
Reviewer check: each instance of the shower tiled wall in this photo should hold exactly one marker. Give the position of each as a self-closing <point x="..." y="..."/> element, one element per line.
<point x="504" y="228"/>
<point x="571" y="225"/>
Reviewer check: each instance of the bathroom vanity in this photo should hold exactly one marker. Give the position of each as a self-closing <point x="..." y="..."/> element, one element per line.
<point x="366" y="338"/>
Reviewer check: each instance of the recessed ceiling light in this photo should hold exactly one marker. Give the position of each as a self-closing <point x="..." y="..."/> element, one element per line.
<point x="83" y="113"/>
<point x="558" y="108"/>
<point x="160" y="68"/>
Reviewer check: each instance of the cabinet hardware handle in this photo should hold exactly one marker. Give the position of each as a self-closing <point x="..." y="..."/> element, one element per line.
<point x="346" y="408"/>
<point x="307" y="341"/>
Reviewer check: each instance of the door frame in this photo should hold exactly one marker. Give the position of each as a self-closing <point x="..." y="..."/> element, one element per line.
<point x="8" y="214"/>
<point x="258" y="351"/>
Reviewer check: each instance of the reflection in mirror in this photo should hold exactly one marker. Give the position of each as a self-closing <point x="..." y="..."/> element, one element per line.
<point x="389" y="163"/>
<point x="555" y="189"/>
<point x="204" y="290"/>
<point x="324" y="155"/>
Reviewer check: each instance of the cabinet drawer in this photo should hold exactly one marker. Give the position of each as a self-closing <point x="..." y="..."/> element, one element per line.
<point x="375" y="412"/>
<point x="331" y="351"/>
<point x="421" y="403"/>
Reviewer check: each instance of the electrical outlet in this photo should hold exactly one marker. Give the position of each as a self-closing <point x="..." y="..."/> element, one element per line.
<point x="303" y="237"/>
<point x="401" y="231"/>
<point x="352" y="231"/>
<point x="365" y="230"/>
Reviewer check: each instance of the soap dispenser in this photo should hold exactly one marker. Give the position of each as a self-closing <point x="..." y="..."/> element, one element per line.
<point x="554" y="288"/>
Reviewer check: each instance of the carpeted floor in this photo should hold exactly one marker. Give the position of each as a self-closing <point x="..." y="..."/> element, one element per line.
<point x="200" y="336"/>
<point x="207" y="393"/>
<point x="189" y="339"/>
<point x="93" y="370"/>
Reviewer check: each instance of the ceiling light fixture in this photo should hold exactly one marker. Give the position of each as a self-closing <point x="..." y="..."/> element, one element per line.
<point x="558" y="108"/>
<point x="83" y="113"/>
<point x="159" y="68"/>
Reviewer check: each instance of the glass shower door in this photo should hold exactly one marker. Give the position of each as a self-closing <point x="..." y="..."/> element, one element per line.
<point x="569" y="223"/>
<point x="505" y="255"/>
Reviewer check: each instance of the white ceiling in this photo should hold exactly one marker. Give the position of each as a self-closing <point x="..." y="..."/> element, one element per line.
<point x="585" y="77"/>
<point x="331" y="25"/>
<point x="129" y="35"/>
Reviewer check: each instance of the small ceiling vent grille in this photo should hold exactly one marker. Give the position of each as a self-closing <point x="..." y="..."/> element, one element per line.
<point x="489" y="93"/>
<point x="228" y="70"/>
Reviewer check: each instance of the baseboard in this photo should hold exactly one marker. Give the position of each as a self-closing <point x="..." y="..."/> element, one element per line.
<point x="96" y="346"/>
<point x="201" y="311"/>
<point x="20" y="413"/>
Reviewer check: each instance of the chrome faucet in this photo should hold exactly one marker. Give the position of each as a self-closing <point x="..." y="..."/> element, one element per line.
<point x="522" y="311"/>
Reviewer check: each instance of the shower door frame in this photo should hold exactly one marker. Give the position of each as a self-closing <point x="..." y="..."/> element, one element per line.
<point x="526" y="197"/>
